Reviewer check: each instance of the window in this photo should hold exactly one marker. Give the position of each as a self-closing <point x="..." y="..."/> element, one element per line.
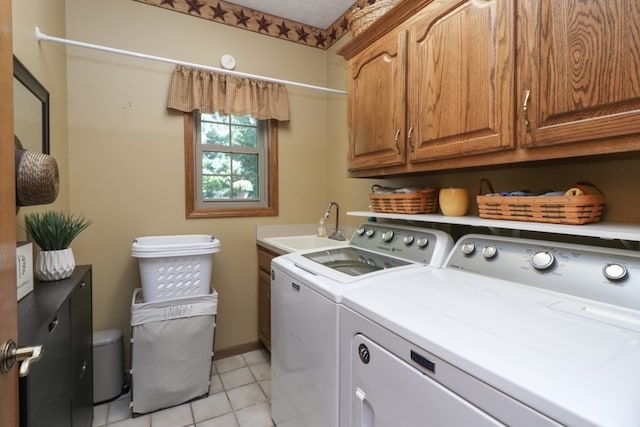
<point x="231" y="166"/>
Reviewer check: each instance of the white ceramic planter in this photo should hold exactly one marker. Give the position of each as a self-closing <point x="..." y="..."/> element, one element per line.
<point x="55" y="265"/>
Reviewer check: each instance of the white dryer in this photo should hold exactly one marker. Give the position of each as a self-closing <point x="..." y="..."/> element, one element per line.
<point x="510" y="332"/>
<point x="307" y="288"/>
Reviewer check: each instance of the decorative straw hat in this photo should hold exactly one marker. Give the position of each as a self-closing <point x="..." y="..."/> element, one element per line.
<point x="37" y="178"/>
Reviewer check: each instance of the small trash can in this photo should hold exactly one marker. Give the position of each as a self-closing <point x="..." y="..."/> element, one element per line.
<point x="108" y="372"/>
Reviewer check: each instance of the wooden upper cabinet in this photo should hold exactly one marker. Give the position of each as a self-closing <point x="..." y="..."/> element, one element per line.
<point x="467" y="83"/>
<point x="580" y="66"/>
<point x="461" y="78"/>
<point x="376" y="104"/>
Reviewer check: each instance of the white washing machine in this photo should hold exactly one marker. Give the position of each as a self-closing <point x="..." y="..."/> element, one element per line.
<point x="306" y="289"/>
<point x="510" y="332"/>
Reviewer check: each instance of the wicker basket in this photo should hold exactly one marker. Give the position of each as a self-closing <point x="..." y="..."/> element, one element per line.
<point x="424" y="201"/>
<point x="360" y="19"/>
<point x="575" y="210"/>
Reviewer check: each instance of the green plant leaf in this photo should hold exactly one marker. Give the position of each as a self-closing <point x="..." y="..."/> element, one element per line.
<point x="54" y="230"/>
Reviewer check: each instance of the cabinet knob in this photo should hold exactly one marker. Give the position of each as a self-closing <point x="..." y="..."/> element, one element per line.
<point x="10" y="354"/>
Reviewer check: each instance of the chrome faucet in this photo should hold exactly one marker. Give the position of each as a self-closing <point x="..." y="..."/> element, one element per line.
<point x="336" y="234"/>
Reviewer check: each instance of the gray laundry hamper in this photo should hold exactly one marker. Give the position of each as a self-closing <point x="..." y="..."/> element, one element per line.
<point x="171" y="350"/>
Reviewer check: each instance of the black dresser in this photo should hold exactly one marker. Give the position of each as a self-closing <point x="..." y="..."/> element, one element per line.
<point x="59" y="388"/>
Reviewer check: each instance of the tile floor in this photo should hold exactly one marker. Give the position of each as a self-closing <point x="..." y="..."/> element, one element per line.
<point x="239" y="396"/>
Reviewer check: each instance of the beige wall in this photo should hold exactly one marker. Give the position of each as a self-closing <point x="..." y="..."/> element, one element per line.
<point x="124" y="168"/>
<point x="126" y="150"/>
<point x="49" y="67"/>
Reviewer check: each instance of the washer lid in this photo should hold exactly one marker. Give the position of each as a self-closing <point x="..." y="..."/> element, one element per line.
<point x="575" y="369"/>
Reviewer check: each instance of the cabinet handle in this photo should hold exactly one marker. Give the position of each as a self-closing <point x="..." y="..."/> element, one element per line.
<point x="525" y="113"/>
<point x="396" y="141"/>
<point x="53" y="324"/>
<point x="83" y="368"/>
<point x="82" y="285"/>
<point x="409" y="138"/>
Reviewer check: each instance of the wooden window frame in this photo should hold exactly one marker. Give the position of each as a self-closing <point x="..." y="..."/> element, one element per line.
<point x="193" y="211"/>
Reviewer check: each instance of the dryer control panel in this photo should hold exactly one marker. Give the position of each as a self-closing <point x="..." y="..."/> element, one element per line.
<point x="597" y="273"/>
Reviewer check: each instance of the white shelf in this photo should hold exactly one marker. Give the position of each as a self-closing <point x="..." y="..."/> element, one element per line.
<point x="603" y="230"/>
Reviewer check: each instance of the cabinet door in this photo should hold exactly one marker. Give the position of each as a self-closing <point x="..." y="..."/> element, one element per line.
<point x="264" y="308"/>
<point x="580" y="67"/>
<point x="461" y="79"/>
<point x="376" y="104"/>
<point x="82" y="354"/>
<point x="45" y="392"/>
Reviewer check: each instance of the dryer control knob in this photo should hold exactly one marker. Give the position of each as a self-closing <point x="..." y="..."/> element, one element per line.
<point x="542" y="260"/>
<point x="408" y="240"/>
<point x="614" y="271"/>
<point x="489" y="251"/>
<point x="468" y="248"/>
<point x="387" y="236"/>
<point x="423" y="242"/>
<point x="360" y="231"/>
<point x="364" y="354"/>
<point x="370" y="232"/>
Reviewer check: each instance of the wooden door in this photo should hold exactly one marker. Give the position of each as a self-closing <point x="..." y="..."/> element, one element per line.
<point x="8" y="298"/>
<point x="461" y="79"/>
<point x="579" y="64"/>
<point x="376" y="104"/>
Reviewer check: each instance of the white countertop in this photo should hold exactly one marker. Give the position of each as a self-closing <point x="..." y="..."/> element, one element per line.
<point x="276" y="237"/>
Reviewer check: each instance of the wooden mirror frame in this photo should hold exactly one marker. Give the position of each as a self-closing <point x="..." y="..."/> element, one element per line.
<point x="24" y="76"/>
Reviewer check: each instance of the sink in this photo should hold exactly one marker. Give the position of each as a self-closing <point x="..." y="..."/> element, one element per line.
<point x="301" y="243"/>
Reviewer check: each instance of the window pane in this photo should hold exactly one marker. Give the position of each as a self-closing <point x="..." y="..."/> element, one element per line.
<point x="242" y="136"/>
<point x="244" y="164"/>
<point x="216" y="187"/>
<point x="215" y="117"/>
<point x="215" y="133"/>
<point x="245" y="187"/>
<point x="244" y="120"/>
<point x="216" y="163"/>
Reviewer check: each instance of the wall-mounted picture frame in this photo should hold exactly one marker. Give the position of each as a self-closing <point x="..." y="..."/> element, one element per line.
<point x="31" y="109"/>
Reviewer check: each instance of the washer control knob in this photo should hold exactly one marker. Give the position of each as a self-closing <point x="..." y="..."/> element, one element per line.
<point x="614" y="271"/>
<point x="423" y="242"/>
<point x="360" y="231"/>
<point x="408" y="240"/>
<point x="542" y="260"/>
<point x="468" y="248"/>
<point x="370" y="232"/>
<point x="387" y="236"/>
<point x="489" y="251"/>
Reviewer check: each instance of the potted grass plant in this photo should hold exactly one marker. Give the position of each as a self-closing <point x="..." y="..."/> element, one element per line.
<point x="53" y="232"/>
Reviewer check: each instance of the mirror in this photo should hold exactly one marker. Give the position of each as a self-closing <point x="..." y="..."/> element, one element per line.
<point x="30" y="109"/>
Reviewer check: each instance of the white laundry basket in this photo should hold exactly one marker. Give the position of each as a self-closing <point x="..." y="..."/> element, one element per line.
<point x="175" y="266"/>
<point x="171" y="350"/>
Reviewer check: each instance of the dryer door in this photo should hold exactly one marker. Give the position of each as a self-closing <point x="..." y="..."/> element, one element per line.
<point x="386" y="390"/>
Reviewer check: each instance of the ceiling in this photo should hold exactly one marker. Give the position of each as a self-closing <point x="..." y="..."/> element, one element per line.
<point x="317" y="13"/>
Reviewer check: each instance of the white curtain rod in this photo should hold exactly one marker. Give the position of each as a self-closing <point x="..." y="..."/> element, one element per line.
<point x="40" y="36"/>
